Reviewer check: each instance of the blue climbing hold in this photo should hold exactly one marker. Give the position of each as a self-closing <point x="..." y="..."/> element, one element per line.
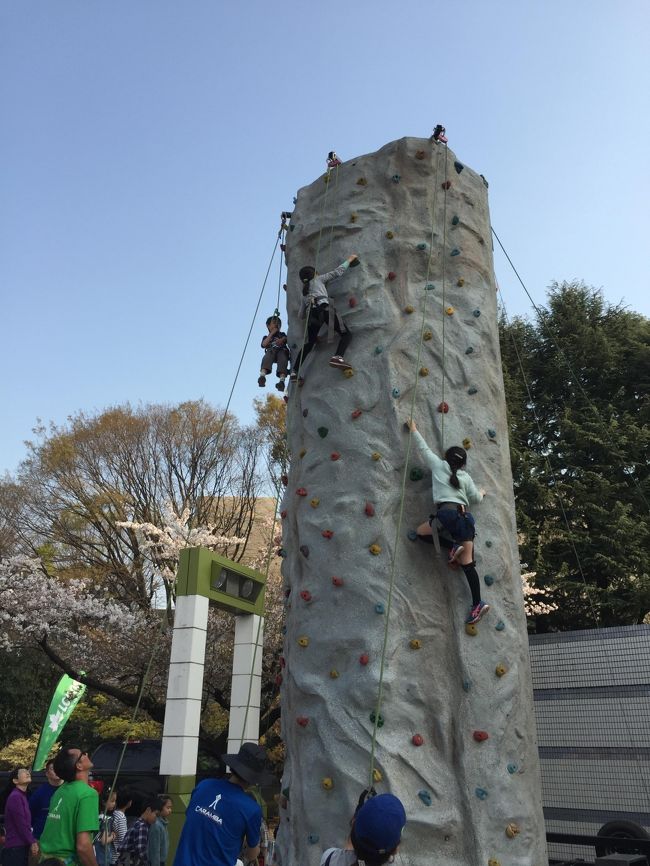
<point x="467" y="685"/>
<point x="500" y="626"/>
<point x="304" y="550"/>
<point x="469" y="350"/>
<point x="458" y="166"/>
<point x="476" y="313"/>
<point x="378" y="350"/>
<point x="295" y="200"/>
<point x="396" y="178"/>
<point x="313" y="838"/>
<point x="429" y="287"/>
<point x="512" y="769"/>
<point x="455" y="252"/>
<point x="322" y="432"/>
<point x="455" y="220"/>
<point x="412" y="535"/>
<point x="425" y="796"/>
<point x="472" y="390"/>
<point x="489" y="580"/>
<point x="422" y="246"/>
<point x="395" y="392"/>
<point x="481" y="793"/>
<point x="379" y="608"/>
<point x="282" y="552"/>
<point x="491" y="433"/>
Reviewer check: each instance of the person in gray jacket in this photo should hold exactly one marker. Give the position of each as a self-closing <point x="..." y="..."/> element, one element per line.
<point x="315" y="307"/>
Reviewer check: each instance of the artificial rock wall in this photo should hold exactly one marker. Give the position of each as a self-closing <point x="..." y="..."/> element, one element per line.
<point x="422" y="309"/>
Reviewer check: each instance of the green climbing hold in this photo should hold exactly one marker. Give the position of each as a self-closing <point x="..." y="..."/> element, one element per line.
<point x="429" y="287"/>
<point x="455" y="252"/>
<point x="466" y="685"/>
<point x="472" y="390"/>
<point x="378" y="350"/>
<point x="489" y="579"/>
<point x="396" y="178"/>
<point x="422" y="246"/>
<point x="512" y="769"/>
<point x="313" y="838"/>
<point x="469" y="350"/>
<point x="500" y="626"/>
<point x="412" y="535"/>
<point x="322" y="432"/>
<point x="416" y="474"/>
<point x="455" y="220"/>
<point x="425" y="796"/>
<point x="488" y="543"/>
<point x="379" y="608"/>
<point x="395" y="392"/>
<point x="476" y="313"/>
<point x="380" y="719"/>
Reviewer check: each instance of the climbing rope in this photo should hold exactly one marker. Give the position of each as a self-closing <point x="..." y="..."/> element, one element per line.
<point x="398" y="528"/>
<point x="444" y="307"/>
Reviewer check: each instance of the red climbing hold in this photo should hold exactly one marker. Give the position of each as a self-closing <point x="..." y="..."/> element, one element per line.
<point x="283" y="247"/>
<point x="301" y="491"/>
<point x="283" y="514"/>
<point x="305" y="595"/>
<point x="369" y="509"/>
<point x="357" y="413"/>
<point x="392" y="275"/>
<point x="446" y="184"/>
<point x="327" y="533"/>
<point x="417" y="739"/>
<point x="278" y="680"/>
<point x="303" y="721"/>
<point x="284" y="479"/>
<point x="337" y="581"/>
<point x="283" y="663"/>
<point x="335" y="455"/>
<point x="443" y="407"/>
<point x="480" y="736"/>
<point x="364" y="658"/>
<point x="352" y="302"/>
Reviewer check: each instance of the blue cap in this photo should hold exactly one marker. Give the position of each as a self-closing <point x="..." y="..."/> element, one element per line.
<point x="378" y="824"/>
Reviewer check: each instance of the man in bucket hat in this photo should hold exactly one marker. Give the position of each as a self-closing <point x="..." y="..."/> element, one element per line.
<point x="221" y="817"/>
<point x="375" y="836"/>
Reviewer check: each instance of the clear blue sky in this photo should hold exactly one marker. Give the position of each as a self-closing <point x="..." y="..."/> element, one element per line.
<point x="148" y="147"/>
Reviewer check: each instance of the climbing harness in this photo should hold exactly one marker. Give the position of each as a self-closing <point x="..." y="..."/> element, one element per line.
<point x="332" y="160"/>
<point x="439" y="134"/>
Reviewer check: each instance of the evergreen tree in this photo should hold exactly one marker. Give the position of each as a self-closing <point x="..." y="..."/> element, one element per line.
<point x="577" y="387"/>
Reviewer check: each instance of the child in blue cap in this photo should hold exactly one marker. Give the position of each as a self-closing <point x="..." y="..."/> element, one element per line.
<point x="375" y="836"/>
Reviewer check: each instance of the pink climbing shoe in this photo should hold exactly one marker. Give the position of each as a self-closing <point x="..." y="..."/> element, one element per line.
<point x="477" y="612"/>
<point x="341" y="363"/>
<point x="454" y="553"/>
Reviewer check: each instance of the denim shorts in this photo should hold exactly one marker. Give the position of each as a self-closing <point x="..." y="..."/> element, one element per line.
<point x="460" y="526"/>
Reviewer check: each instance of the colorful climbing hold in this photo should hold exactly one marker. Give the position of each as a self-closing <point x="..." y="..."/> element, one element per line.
<point x="396" y="178"/>
<point x="354" y="217"/>
<point x="304" y="549"/>
<point x="460" y="282"/>
<point x="427" y="335"/>
<point x="467" y="443"/>
<point x="449" y="311"/>
<point x="501" y="670"/>
<point x="446" y="184"/>
<point x="278" y="680"/>
<point x="443" y="407"/>
<point x="469" y="350"/>
<point x="458" y="166"/>
<point x="424" y="371"/>
<point x="357" y="413"/>
<point x="335" y="455"/>
<point x="467" y="685"/>
<point x="425" y="796"/>
<point x="375" y="549"/>
<point x="302" y="453"/>
<point x="415" y="643"/>
<point x="337" y="581"/>
<point x="380" y="719"/>
<point x="420" y="154"/>
<point x="327" y="783"/>
<point x="390" y="235"/>
<point x="313" y="838"/>
<point x="422" y="246"/>
<point x="364" y="658"/>
<point x="472" y="390"/>
<point x="480" y="736"/>
<point x="376" y="455"/>
<point x="352" y="302"/>
<point x="417" y="739"/>
<point x="305" y="412"/>
<point x="500" y="626"/>
<point x="283" y="514"/>
<point x="379" y="350"/>
<point x="512" y="769"/>
<point x="488" y="543"/>
<point x="314" y="502"/>
<point x="376" y="775"/>
<point x="408" y="309"/>
<point x="348" y="373"/>
<point x="282" y="552"/>
<point x="391" y="275"/>
<point x="455" y="220"/>
<point x="412" y="535"/>
<point x="430" y="287"/>
<point x="476" y="313"/>
<point x="322" y="432"/>
<point x="396" y="392"/>
<point x="369" y="509"/>
<point x="492" y="433"/>
<point x="416" y="474"/>
<point x="303" y="721"/>
<point x="327" y="533"/>
<point x="455" y="252"/>
<point x="334" y="674"/>
<point x="489" y="579"/>
<point x="470" y="629"/>
<point x="512" y="830"/>
<point x="301" y="491"/>
<point x="493" y="862"/>
<point x="362" y="182"/>
<point x="481" y="793"/>
<point x="379" y="608"/>
<point x="303" y="641"/>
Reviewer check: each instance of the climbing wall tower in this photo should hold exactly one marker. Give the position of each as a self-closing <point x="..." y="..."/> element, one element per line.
<point x="455" y="734"/>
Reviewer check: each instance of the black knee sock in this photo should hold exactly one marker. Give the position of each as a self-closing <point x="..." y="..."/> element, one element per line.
<point x="472" y="578"/>
<point x="427" y="539"/>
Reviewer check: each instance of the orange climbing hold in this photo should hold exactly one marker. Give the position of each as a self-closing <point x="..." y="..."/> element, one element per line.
<point x="375" y="549"/>
<point x="414" y="643"/>
<point x="467" y="443"/>
<point x="334" y="674"/>
<point x="460" y="282"/>
<point x="376" y="455"/>
<point x="327" y="783"/>
<point x="501" y="670"/>
<point x="409" y="309"/>
<point x="512" y="830"/>
<point x="314" y="502"/>
<point x="450" y="311"/>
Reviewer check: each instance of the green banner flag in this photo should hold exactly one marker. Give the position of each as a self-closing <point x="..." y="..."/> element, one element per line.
<point x="65" y="699"/>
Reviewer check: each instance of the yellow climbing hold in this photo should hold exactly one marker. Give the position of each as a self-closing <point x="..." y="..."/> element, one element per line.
<point x="303" y="640"/>
<point x="334" y="674"/>
<point x="511" y="831"/>
<point x="376" y="775"/>
<point x="348" y="373"/>
<point x="375" y="549"/>
<point x="314" y="502"/>
<point x="460" y="281"/>
<point x="390" y="235"/>
<point x="354" y="217"/>
<point x="470" y="628"/>
<point x="493" y="862"/>
<point x="415" y="643"/>
<point x="500" y="670"/>
<point x="427" y="335"/>
<point x="376" y="455"/>
<point x="327" y="783"/>
<point x="424" y="371"/>
<point x="467" y="443"/>
<point x="362" y="182"/>
<point x="302" y="452"/>
<point x="409" y="309"/>
<point x="449" y="311"/>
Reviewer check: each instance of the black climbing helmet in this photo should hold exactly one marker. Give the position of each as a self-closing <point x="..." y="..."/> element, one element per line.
<point x="307" y="274"/>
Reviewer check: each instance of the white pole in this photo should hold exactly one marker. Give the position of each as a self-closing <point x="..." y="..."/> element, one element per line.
<point x="246" y="689"/>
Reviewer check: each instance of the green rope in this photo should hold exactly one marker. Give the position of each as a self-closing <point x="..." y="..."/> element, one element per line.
<point x="400" y="515"/>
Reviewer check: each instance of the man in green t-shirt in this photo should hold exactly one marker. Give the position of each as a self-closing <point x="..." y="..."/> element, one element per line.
<point x="73" y="818"/>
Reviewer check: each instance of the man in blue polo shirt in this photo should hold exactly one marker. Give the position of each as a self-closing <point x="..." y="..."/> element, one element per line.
<point x="221" y="817"/>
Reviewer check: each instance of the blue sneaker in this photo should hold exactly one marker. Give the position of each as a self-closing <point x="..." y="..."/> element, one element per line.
<point x="477" y="612"/>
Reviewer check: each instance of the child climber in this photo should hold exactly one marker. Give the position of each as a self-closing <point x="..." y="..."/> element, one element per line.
<point x="315" y="307"/>
<point x="276" y="352"/>
<point x="453" y="491"/>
